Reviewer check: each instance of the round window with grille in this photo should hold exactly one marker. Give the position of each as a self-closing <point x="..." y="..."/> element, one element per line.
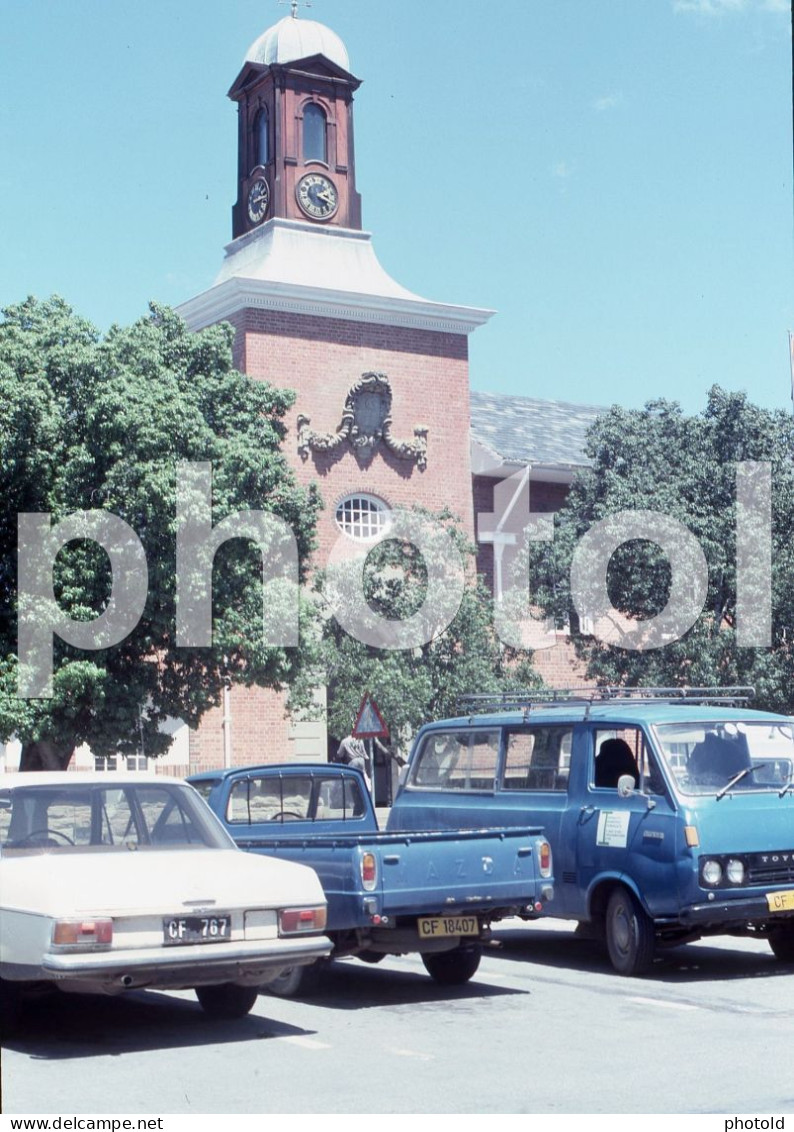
<point x="362" y="516"/>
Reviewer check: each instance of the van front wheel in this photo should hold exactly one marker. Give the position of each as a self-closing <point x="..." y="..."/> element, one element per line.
<point x="781" y="940"/>
<point x="629" y="934"/>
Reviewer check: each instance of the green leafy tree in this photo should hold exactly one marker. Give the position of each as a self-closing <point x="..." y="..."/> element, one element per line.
<point x="685" y="467"/>
<point x="92" y="422"/>
<point x="424" y="681"/>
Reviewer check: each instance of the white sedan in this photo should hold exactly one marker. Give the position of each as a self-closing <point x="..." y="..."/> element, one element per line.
<point x="113" y="882"/>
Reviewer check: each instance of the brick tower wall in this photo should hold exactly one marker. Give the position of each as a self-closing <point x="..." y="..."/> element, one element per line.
<point x="321" y="359"/>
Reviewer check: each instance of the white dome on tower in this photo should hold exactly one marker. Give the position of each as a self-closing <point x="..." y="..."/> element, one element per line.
<point x="292" y="38"/>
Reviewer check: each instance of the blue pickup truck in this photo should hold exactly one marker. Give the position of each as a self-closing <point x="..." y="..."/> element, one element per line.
<point x="670" y="812"/>
<point x="434" y="892"/>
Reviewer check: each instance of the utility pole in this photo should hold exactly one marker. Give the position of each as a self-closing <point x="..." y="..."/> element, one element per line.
<point x="227" y="715"/>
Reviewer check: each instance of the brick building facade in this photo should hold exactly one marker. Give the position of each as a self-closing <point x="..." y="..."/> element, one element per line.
<point x="384" y="418"/>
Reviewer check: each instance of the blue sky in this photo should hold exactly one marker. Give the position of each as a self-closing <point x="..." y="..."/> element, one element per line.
<point x="613" y="177"/>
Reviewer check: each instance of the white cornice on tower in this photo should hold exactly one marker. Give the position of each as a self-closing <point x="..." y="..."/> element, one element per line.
<point x="299" y="267"/>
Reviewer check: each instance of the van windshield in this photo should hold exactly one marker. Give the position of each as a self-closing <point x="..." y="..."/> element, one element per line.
<point x="705" y="757"/>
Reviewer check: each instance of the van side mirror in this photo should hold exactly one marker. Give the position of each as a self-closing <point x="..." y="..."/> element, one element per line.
<point x="626" y="786"/>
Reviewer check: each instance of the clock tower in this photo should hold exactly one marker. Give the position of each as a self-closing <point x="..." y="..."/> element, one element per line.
<point x="295" y="129"/>
<point x="381" y="420"/>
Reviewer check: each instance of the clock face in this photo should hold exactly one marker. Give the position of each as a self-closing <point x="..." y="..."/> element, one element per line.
<point x="258" y="200"/>
<point x="317" y="196"/>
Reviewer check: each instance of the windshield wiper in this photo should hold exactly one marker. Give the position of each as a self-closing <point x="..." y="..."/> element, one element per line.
<point x="738" y="778"/>
<point x="789" y="786"/>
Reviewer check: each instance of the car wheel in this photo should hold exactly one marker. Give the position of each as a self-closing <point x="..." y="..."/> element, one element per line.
<point x="226" y="1000"/>
<point x="629" y="934"/>
<point x="10" y="1008"/>
<point x="781" y="940"/>
<point x="452" y="968"/>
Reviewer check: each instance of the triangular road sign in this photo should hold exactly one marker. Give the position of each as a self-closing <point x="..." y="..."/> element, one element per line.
<point x="369" y="722"/>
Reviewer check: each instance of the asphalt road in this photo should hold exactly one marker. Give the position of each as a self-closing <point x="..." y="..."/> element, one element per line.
<point x="544" y="1027"/>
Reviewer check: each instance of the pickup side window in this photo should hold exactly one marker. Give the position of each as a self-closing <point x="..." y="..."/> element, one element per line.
<point x="458" y="760"/>
<point x="537" y="758"/>
<point x="339" y="800"/>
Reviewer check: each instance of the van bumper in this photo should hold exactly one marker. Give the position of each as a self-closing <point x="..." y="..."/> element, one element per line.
<point x="748" y="909"/>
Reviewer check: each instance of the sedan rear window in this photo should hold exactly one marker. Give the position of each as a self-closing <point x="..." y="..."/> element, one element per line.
<point x="71" y="817"/>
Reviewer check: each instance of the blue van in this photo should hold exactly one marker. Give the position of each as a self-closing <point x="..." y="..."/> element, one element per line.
<point x="670" y="813"/>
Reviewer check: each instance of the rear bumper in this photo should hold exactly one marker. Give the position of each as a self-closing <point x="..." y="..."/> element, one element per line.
<point x="398" y="906"/>
<point x="245" y="961"/>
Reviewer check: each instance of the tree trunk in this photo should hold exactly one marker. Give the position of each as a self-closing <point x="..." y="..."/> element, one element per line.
<point x="46" y="754"/>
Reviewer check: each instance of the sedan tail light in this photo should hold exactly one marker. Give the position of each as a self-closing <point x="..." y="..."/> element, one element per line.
<point x="82" y="933"/>
<point x="296" y="921"/>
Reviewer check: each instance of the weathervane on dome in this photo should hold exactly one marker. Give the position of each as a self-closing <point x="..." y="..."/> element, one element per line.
<point x="295" y="4"/>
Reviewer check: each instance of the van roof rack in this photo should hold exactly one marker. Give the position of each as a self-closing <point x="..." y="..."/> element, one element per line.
<point x="486" y="702"/>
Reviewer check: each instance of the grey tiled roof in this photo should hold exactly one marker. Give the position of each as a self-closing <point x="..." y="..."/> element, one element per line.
<point x="527" y="430"/>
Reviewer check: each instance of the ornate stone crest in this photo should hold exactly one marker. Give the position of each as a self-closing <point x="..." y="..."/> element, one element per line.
<point x="366" y="422"/>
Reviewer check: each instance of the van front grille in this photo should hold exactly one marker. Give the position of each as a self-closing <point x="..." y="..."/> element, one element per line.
<point x="776" y="867"/>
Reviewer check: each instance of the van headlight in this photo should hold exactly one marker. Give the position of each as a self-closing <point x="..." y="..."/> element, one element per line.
<point x="734" y="871"/>
<point x="711" y="872"/>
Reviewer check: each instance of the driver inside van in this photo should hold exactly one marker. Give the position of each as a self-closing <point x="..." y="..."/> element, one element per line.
<point x="614" y="759"/>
